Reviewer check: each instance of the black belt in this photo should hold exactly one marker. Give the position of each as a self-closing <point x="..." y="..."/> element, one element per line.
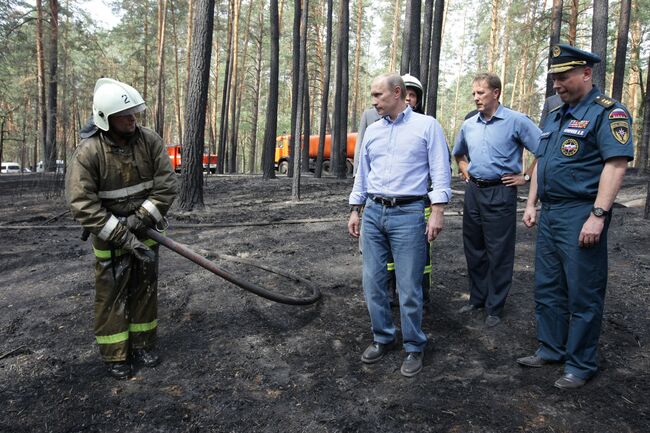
<point x="394" y="201"/>
<point x="482" y="183"/>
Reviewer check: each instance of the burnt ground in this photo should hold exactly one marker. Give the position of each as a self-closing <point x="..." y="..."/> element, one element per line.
<point x="234" y="362"/>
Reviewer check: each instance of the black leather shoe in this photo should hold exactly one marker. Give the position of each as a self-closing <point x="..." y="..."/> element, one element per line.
<point x="569" y="381"/>
<point x="412" y="364"/>
<point x="146" y="357"/>
<point x="492" y="321"/>
<point x="375" y="352"/>
<point x="468" y="307"/>
<point x="533" y="361"/>
<point x="119" y="370"/>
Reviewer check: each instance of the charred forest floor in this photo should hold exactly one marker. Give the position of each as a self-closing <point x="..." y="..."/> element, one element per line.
<point x="234" y="362"/>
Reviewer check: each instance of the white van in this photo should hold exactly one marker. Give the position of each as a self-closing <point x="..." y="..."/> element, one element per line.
<point x="10" y="167"/>
<point x="59" y="166"/>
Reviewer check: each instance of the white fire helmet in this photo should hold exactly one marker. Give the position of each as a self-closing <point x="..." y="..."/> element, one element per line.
<point x="113" y="97"/>
<point x="411" y="81"/>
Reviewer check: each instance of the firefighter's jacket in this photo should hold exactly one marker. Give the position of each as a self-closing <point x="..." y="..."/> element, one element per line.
<point x="106" y="181"/>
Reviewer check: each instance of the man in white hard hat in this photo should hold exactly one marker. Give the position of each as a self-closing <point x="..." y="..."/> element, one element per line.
<point x="120" y="183"/>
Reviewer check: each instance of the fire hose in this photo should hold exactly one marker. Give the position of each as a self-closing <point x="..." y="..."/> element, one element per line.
<point x="253" y="288"/>
<point x="210" y="266"/>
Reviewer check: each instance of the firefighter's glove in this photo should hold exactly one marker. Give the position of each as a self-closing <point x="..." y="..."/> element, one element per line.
<point x="136" y="225"/>
<point x="145" y="217"/>
<point x="138" y="249"/>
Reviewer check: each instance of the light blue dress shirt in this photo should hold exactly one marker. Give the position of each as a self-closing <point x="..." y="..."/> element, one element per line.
<point x="494" y="147"/>
<point x="399" y="158"/>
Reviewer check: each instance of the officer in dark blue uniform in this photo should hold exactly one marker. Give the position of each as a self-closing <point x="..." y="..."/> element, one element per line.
<point x="583" y="153"/>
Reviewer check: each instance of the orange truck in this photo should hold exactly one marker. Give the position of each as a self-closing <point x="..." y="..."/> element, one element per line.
<point x="282" y="152"/>
<point x="175" y="151"/>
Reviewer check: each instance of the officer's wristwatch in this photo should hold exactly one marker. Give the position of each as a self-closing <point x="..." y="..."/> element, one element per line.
<point x="599" y="211"/>
<point x="355" y="208"/>
<point x="527" y="177"/>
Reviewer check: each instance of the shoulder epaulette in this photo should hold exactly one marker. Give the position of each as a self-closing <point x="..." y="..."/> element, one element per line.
<point x="604" y="101"/>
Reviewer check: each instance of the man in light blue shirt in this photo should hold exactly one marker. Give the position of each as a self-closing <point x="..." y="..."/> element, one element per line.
<point x="401" y="154"/>
<point x="493" y="140"/>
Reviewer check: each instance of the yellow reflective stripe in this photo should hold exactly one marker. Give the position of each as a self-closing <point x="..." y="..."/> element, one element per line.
<point x="106" y="254"/>
<point x="390" y="266"/>
<point x="112" y="339"/>
<point x="427" y="212"/>
<point x="143" y="327"/>
<point x="427" y="269"/>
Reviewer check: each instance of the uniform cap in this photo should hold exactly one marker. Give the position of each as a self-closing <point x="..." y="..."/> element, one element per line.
<point x="565" y="57"/>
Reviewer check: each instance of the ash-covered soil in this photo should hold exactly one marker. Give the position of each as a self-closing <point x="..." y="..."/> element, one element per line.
<point x="234" y="362"/>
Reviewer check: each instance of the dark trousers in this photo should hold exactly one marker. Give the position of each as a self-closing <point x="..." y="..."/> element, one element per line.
<point x="570" y="284"/>
<point x="489" y="230"/>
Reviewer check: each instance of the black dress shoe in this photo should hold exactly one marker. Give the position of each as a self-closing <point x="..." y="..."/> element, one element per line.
<point x="375" y="352"/>
<point x="412" y="364"/>
<point x="146" y="357"/>
<point x="119" y="370"/>
<point x="533" y="361"/>
<point x="569" y="381"/>
<point x="468" y="307"/>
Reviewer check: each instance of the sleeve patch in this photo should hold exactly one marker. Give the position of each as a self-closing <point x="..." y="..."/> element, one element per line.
<point x="618" y="114"/>
<point x="620" y="131"/>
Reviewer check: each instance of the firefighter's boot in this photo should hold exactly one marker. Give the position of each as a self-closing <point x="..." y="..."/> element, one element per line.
<point x="119" y="370"/>
<point x="146" y="357"/>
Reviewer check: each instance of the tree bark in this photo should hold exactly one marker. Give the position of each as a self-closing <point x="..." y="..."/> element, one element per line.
<point x="493" y="49"/>
<point x="434" y="71"/>
<point x="554" y="39"/>
<point x="302" y="76"/>
<point x="268" y="152"/>
<point x="49" y="157"/>
<point x="160" y="85"/>
<point x="572" y="30"/>
<point x="326" y="89"/>
<point x="357" y="64"/>
<point x="339" y="136"/>
<point x="177" y="89"/>
<point x="40" y="71"/>
<point x="295" y="73"/>
<point x="426" y="48"/>
<point x="599" y="42"/>
<point x="256" y="99"/>
<point x="406" y="39"/>
<point x="225" y="101"/>
<point x="621" y="49"/>
<point x="394" y="44"/>
<point x="645" y="137"/>
<point x="232" y="155"/>
<point x="191" y="191"/>
<point x="414" y="39"/>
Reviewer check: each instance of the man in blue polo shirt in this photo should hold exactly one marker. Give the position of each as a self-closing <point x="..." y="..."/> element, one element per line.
<point x="401" y="154"/>
<point x="493" y="140"/>
<point x="583" y="154"/>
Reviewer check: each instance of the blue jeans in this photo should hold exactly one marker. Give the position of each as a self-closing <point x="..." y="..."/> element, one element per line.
<point x="398" y="230"/>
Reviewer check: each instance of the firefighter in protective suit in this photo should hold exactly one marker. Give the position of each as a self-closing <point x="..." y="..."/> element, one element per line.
<point x="120" y="182"/>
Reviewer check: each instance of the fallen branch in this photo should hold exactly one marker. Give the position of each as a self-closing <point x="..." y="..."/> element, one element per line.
<point x="11" y="352"/>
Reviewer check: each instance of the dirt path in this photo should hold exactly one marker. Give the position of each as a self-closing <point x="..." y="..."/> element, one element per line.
<point x="234" y="362"/>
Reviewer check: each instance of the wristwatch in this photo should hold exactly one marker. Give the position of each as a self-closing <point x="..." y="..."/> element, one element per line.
<point x="599" y="211"/>
<point x="355" y="208"/>
<point x="527" y="177"/>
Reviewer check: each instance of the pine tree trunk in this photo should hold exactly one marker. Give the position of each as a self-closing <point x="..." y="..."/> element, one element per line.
<point x="357" y="64"/>
<point x="302" y="77"/>
<point x="326" y="89"/>
<point x="177" y="88"/>
<point x="436" y="44"/>
<point x="145" y="71"/>
<point x="160" y="86"/>
<point x="635" y="80"/>
<point x="621" y="49"/>
<point x="268" y="152"/>
<point x="556" y="27"/>
<point x="493" y="49"/>
<point x="49" y="157"/>
<point x="394" y="40"/>
<point x="257" y="92"/>
<point x="191" y="191"/>
<point x="572" y="31"/>
<point x="645" y="137"/>
<point x="306" y="123"/>
<point x="240" y="90"/>
<point x="414" y="39"/>
<point x="295" y="73"/>
<point x="406" y="39"/>
<point x="40" y="71"/>
<point x="232" y="160"/>
<point x="225" y="101"/>
<point x="426" y="48"/>
<point x="599" y="42"/>
<point x="339" y="136"/>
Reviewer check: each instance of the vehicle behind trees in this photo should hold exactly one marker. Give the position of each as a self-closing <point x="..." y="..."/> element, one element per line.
<point x="282" y="157"/>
